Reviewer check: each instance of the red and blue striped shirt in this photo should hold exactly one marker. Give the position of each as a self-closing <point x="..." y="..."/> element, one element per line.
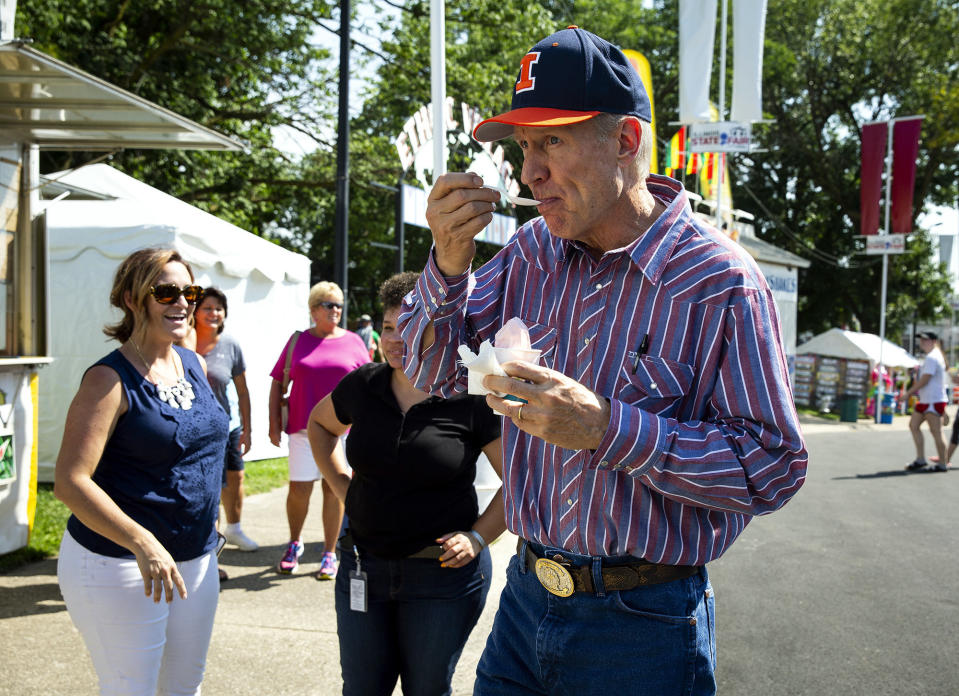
<point x="703" y="433"/>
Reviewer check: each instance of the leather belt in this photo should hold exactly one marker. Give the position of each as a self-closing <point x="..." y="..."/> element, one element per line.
<point x="434" y="551"/>
<point x="557" y="574"/>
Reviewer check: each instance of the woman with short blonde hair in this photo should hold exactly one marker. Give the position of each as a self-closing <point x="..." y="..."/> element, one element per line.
<point x="316" y="360"/>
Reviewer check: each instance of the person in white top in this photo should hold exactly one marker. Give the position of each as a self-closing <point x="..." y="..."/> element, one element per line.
<point x="931" y="407"/>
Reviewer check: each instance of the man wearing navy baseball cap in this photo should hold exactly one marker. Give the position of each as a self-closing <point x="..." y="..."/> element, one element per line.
<point x="657" y="421"/>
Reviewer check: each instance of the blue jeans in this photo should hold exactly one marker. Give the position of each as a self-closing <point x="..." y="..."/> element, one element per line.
<point x="656" y="640"/>
<point x="418" y="618"/>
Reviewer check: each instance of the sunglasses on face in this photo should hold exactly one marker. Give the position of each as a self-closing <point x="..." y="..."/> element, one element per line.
<point x="168" y="293"/>
<point x="330" y="305"/>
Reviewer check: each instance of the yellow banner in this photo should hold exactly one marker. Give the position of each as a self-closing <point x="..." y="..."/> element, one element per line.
<point x="642" y="67"/>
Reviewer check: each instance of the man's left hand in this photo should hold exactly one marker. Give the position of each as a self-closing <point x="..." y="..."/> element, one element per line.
<point x="559" y="409"/>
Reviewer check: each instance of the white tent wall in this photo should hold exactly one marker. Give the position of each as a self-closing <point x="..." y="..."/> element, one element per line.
<point x="266" y="288"/>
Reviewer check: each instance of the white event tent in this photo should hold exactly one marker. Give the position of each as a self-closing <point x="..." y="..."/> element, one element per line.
<point x="266" y="286"/>
<point x="854" y="345"/>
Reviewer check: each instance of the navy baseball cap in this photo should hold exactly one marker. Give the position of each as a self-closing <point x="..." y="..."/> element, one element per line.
<point x="569" y="77"/>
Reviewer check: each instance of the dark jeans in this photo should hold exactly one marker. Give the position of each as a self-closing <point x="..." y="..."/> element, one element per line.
<point x="418" y="618"/>
<point x="656" y="640"/>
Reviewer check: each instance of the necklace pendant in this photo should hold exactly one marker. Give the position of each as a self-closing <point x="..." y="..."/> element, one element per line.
<point x="179" y="395"/>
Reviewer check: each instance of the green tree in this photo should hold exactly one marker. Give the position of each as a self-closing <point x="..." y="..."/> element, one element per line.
<point x="829" y="67"/>
<point x="242" y="68"/>
<point x="249" y="68"/>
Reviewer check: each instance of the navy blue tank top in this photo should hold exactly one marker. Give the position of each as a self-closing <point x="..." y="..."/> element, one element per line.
<point x="163" y="466"/>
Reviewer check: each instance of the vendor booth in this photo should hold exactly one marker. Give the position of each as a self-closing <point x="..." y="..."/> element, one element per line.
<point x="107" y="215"/>
<point x="48" y="104"/>
<point x="839" y="363"/>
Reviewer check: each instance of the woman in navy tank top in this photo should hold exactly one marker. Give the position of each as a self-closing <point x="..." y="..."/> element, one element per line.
<point x="140" y="467"/>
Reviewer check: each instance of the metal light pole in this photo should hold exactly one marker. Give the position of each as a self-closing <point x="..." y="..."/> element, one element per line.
<point x="341" y="224"/>
<point x="438" y="84"/>
<point x="880" y="383"/>
<point x="721" y="157"/>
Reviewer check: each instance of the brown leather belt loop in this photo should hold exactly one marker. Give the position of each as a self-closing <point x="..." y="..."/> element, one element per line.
<point x="627" y="576"/>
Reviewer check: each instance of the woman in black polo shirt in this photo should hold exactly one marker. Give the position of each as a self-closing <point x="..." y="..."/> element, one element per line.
<point x="415" y="569"/>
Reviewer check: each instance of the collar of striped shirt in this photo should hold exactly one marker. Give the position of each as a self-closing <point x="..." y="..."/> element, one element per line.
<point x="650" y="252"/>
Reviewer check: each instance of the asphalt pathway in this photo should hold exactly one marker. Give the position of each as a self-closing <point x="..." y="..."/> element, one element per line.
<point x="850" y="589"/>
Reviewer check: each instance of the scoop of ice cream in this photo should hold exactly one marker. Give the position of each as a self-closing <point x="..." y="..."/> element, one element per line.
<point x="514" y="334"/>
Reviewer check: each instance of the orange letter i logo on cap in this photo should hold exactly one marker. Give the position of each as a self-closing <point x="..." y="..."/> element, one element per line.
<point x="526" y="80"/>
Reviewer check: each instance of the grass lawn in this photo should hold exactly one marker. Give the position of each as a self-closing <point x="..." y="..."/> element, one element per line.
<point x="51" y="518"/>
<point x="832" y="415"/>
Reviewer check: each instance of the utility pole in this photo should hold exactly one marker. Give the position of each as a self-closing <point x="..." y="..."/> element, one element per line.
<point x="341" y="224"/>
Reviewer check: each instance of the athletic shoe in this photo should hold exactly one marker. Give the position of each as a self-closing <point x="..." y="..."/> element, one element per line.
<point x="291" y="559"/>
<point x="240" y="540"/>
<point x="328" y="567"/>
<point x="916" y="465"/>
<point x="941" y="467"/>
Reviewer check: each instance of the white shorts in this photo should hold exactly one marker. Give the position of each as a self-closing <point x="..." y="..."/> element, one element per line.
<point x="139" y="648"/>
<point x="302" y="465"/>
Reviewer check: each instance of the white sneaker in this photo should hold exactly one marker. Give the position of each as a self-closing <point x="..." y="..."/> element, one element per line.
<point x="240" y="540"/>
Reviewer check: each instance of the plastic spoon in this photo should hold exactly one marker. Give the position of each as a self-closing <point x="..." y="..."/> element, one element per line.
<point x="515" y="200"/>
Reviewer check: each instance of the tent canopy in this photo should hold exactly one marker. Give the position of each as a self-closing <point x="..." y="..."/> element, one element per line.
<point x="266" y="286"/>
<point x="139" y="208"/>
<point x="54" y="105"/>
<point x="854" y="345"/>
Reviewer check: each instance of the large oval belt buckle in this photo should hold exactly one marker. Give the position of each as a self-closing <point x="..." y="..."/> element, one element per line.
<point x="554" y="577"/>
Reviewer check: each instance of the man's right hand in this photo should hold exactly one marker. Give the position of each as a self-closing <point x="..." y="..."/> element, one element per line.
<point x="458" y="209"/>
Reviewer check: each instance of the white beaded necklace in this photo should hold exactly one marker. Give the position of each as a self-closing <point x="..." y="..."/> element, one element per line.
<point x="180" y="395"/>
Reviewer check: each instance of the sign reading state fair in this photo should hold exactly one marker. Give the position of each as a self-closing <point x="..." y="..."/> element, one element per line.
<point x="719" y="136"/>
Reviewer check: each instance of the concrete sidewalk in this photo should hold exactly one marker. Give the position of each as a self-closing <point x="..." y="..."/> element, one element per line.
<point x="273" y="633"/>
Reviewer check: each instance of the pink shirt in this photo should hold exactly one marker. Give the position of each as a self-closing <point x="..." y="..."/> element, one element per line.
<point x="317" y="366"/>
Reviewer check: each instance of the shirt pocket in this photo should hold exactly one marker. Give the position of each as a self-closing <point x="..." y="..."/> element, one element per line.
<point x="543" y="339"/>
<point x="657" y="385"/>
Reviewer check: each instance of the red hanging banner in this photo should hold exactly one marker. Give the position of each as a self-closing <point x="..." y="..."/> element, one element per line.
<point x="873" y="149"/>
<point x="905" y="148"/>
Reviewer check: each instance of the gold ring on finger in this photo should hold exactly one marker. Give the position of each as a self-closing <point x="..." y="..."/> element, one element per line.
<point x="519" y="413"/>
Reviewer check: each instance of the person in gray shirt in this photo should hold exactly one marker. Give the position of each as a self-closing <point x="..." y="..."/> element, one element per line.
<point x="225" y="368"/>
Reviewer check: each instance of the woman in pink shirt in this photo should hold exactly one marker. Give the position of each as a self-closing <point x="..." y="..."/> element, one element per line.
<point x="321" y="357"/>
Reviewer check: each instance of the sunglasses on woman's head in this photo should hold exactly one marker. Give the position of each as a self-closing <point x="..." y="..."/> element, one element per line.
<point x="168" y="293"/>
<point x="330" y="305"/>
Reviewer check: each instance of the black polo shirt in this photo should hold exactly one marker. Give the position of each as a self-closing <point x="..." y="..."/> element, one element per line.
<point x="412" y="473"/>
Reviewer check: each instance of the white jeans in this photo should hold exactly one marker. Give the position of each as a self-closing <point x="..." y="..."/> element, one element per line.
<point x="138" y="647"/>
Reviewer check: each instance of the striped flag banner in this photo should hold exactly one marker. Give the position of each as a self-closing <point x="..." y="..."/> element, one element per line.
<point x="676" y="152"/>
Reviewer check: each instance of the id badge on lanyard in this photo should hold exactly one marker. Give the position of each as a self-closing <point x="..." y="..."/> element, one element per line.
<point x="357" y="586"/>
